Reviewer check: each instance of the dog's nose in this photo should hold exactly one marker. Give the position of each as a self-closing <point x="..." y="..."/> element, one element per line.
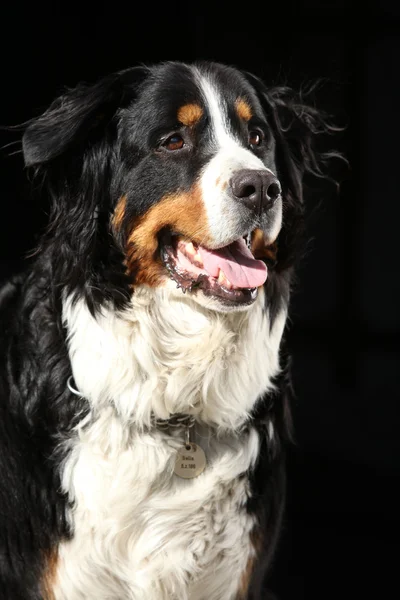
<point x="257" y="189"/>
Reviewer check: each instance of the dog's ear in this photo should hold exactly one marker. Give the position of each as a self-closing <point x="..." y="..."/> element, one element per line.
<point x="77" y="115"/>
<point x="296" y="126"/>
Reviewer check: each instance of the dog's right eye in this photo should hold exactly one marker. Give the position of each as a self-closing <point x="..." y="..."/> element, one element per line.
<point x="174" y="142"/>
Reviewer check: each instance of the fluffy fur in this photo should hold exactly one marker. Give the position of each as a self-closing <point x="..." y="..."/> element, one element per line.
<point x="136" y="167"/>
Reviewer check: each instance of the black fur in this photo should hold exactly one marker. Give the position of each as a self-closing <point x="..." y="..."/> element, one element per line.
<point x="92" y="145"/>
<point x="35" y="413"/>
<point x="268" y="480"/>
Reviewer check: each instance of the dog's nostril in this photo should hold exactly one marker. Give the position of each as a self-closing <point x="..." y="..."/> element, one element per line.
<point x="247" y="191"/>
<point x="273" y="191"/>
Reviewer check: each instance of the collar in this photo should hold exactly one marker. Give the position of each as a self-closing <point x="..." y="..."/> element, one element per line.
<point x="175" y="421"/>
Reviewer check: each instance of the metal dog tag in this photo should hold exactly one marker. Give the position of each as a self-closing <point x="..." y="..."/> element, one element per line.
<point x="190" y="461"/>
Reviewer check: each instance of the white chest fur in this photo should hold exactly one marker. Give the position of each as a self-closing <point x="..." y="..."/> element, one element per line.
<point x="140" y="532"/>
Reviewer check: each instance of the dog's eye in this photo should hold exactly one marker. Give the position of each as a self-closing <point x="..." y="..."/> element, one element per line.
<point x="255" y="138"/>
<point x="174" y="142"/>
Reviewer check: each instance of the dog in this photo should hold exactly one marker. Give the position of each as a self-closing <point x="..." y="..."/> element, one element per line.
<point x="145" y="389"/>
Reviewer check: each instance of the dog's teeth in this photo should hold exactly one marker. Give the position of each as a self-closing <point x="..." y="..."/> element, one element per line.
<point x="198" y="260"/>
<point x="187" y="248"/>
<point x="190" y="249"/>
<point x="184" y="290"/>
<point x="178" y="285"/>
<point x="223" y="280"/>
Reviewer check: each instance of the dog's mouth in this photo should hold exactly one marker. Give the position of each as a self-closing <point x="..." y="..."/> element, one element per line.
<point x="231" y="274"/>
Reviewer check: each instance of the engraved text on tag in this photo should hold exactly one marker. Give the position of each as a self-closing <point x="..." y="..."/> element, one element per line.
<point x="190" y="461"/>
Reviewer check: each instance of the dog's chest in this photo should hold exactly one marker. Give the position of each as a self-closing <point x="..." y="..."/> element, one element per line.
<point x="140" y="532"/>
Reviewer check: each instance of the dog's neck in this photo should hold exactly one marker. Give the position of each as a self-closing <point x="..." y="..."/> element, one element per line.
<point x="165" y="355"/>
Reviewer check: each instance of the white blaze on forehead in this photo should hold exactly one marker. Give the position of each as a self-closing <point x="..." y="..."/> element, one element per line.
<point x="216" y="109"/>
<point x="221" y="130"/>
<point x="230" y="156"/>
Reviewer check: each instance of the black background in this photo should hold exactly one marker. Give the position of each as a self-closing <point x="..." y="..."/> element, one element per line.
<point x="342" y="526"/>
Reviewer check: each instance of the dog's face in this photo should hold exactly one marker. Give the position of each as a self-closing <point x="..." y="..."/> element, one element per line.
<point x="192" y="169"/>
<point x="197" y="178"/>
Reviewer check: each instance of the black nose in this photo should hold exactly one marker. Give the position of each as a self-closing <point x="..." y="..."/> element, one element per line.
<point x="257" y="189"/>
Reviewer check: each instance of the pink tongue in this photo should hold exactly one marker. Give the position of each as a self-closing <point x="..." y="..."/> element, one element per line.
<point x="237" y="263"/>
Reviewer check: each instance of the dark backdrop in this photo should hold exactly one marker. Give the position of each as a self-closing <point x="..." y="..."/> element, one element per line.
<point x="342" y="525"/>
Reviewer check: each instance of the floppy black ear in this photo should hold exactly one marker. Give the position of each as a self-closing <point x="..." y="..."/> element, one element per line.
<point x="71" y="148"/>
<point x="296" y="126"/>
<point x="76" y="115"/>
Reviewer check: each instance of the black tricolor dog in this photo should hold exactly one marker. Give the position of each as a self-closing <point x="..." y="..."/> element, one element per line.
<point x="143" y="389"/>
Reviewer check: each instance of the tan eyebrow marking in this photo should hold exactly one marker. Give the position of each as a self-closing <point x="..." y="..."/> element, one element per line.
<point x="243" y="109"/>
<point x="190" y="114"/>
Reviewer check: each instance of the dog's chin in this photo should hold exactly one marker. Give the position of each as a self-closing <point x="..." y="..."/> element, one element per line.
<point x="226" y="279"/>
<point x="198" y="298"/>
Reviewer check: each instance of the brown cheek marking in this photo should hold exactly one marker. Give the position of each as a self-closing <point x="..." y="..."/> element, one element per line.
<point x="119" y="213"/>
<point x="243" y="109"/>
<point x="49" y="576"/>
<point x="190" y="114"/>
<point x="257" y="543"/>
<point x="184" y="213"/>
<point x="245" y="579"/>
<point x="261" y="249"/>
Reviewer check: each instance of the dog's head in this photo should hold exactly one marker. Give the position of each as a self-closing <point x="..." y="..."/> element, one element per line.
<point x="186" y="177"/>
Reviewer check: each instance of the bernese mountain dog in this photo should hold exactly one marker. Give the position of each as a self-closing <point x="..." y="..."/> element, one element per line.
<point x="144" y="389"/>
